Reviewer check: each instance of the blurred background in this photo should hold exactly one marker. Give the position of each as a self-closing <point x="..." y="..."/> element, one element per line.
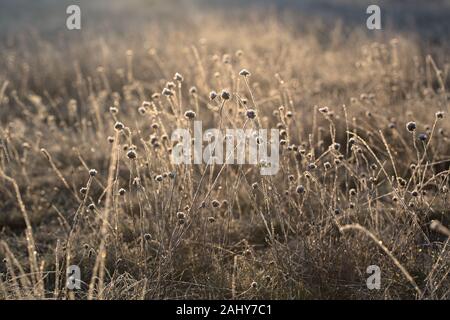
<point x="430" y="18"/>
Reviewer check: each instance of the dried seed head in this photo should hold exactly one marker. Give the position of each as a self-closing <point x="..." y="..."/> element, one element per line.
<point x="131" y="154"/>
<point x="415" y="193"/>
<point x="110" y="139"/>
<point x="211" y="219"/>
<point x="92" y="172"/>
<point x="411" y="126"/>
<point x="83" y="190"/>
<point x="300" y="189"/>
<point x="244" y="73"/>
<point x="401" y="182"/>
<point x="141" y="110"/>
<point x="255" y="185"/>
<point x="147" y="237"/>
<point x="118" y="126"/>
<point x="352" y="192"/>
<point x="159" y="178"/>
<point x="324" y="110"/>
<point x="251" y="114"/>
<point x="155" y="96"/>
<point x="212" y="95"/>
<point x="327" y="165"/>
<point x="113" y="110"/>
<point x="215" y="203"/>
<point x="167" y="92"/>
<point x="178" y="77"/>
<point x="312" y="166"/>
<point x="193" y="90"/>
<point x="189" y="114"/>
<point x="440" y="114"/>
<point x="181" y="215"/>
<point x="91" y="206"/>
<point x="225" y="95"/>
<point x="122" y="191"/>
<point x="423" y="137"/>
<point x="254" y="285"/>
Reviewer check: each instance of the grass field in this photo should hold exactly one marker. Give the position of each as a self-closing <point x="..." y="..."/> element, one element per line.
<point x="86" y="118"/>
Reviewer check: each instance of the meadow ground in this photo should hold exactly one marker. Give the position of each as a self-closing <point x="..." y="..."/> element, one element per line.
<point x="85" y="140"/>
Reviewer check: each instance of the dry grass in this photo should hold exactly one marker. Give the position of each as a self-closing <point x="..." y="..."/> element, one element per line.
<point x="144" y="228"/>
